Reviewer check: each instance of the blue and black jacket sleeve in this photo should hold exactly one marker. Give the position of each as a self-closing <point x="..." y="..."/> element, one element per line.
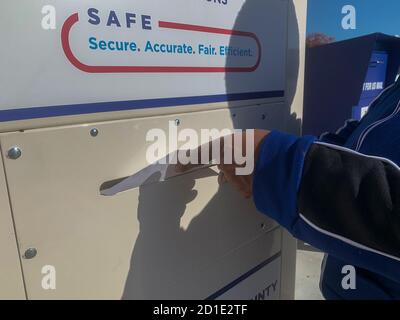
<point x="342" y="202"/>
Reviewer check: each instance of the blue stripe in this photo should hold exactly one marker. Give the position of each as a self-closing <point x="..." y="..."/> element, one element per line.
<point x="243" y="277"/>
<point x="88" y="108"/>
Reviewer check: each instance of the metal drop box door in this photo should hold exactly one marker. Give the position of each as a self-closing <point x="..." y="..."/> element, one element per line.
<point x="173" y="240"/>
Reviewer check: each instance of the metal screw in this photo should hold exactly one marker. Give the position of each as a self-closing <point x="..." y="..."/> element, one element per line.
<point x="263" y="226"/>
<point x="94" y="132"/>
<point x="177" y="122"/>
<point x="14" y="153"/>
<point x="30" y="253"/>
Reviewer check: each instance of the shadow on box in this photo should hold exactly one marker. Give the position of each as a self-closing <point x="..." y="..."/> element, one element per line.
<point x="163" y="250"/>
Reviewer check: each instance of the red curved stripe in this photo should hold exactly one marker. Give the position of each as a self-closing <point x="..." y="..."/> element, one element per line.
<point x="73" y="19"/>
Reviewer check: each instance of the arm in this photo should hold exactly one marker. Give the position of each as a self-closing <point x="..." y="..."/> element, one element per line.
<point x="339" y="201"/>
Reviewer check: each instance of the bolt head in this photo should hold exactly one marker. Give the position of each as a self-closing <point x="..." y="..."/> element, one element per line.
<point x="263" y="226"/>
<point x="177" y="122"/>
<point x="14" y="153"/>
<point x="30" y="253"/>
<point x="94" y="132"/>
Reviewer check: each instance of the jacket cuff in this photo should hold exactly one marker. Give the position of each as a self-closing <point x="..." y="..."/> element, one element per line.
<point x="278" y="175"/>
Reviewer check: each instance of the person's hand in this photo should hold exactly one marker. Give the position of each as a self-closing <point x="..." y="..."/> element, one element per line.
<point x="240" y="155"/>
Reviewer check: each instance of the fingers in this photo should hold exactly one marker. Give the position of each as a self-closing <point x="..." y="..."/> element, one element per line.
<point x="229" y="147"/>
<point x="182" y="168"/>
<point x="241" y="183"/>
<point x="221" y="178"/>
<point x="203" y="155"/>
<point x="227" y="166"/>
<point x="248" y="190"/>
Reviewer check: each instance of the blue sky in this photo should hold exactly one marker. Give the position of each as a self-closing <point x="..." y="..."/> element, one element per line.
<point x="372" y="16"/>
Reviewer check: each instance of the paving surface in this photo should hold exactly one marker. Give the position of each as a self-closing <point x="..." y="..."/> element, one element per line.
<point x="307" y="275"/>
